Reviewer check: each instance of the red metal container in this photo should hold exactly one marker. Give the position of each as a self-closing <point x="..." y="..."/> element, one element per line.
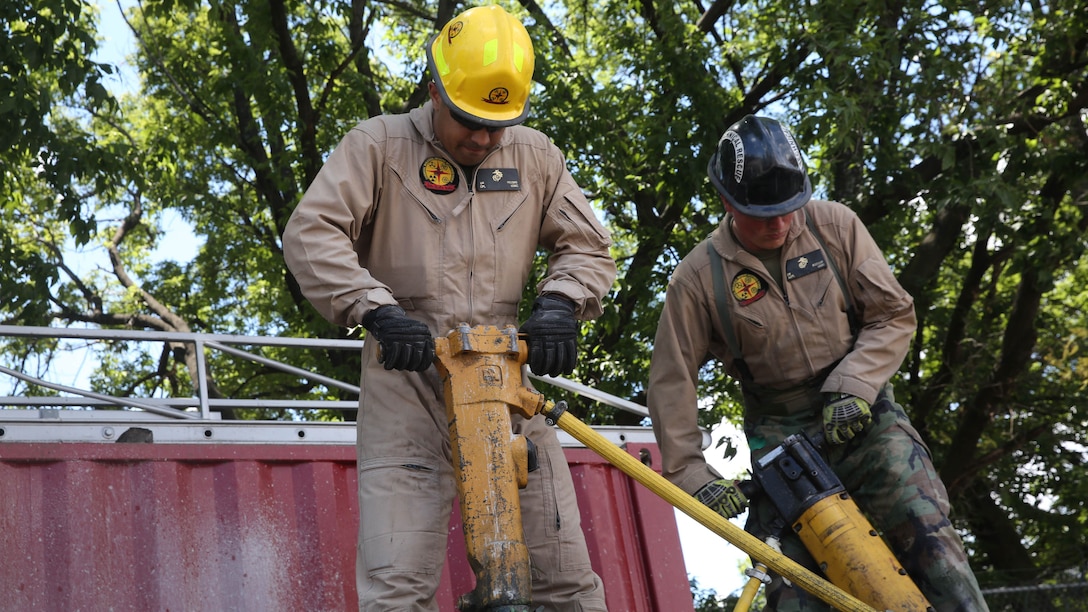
<point x="211" y="526"/>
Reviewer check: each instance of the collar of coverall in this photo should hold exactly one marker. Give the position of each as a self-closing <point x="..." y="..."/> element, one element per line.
<point x="423" y="119"/>
<point x="726" y="243"/>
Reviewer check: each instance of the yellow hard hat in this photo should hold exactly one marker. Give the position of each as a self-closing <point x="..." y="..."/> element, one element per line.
<point x="482" y="63"/>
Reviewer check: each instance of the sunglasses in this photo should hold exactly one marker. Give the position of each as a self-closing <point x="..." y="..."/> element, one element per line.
<point x="472" y="126"/>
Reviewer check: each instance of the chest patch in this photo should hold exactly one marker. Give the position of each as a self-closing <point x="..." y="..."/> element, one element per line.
<point x="805" y="265"/>
<point x="748" y="287"/>
<point x="497" y="179"/>
<point x="439" y="176"/>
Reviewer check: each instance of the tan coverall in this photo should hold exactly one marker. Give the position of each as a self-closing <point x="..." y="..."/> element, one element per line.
<point x="797" y="342"/>
<point x="391" y="219"/>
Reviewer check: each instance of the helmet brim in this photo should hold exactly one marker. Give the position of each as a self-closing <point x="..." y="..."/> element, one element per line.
<point x="761" y="210"/>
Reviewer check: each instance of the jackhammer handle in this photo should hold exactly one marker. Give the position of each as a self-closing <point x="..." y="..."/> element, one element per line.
<point x="749" y="488"/>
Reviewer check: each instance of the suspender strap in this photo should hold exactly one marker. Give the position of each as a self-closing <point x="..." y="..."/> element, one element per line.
<point x="721" y="300"/>
<point x="851" y="314"/>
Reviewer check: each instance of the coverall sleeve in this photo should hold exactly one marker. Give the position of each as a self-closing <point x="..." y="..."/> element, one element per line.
<point x="680" y="348"/>
<point x="320" y="237"/>
<point x="580" y="265"/>
<point x="886" y="316"/>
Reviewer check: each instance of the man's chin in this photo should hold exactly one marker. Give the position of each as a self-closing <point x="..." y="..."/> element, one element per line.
<point x="468" y="162"/>
<point x="467" y="157"/>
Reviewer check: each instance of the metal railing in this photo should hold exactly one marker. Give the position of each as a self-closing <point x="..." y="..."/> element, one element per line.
<point x="77" y="403"/>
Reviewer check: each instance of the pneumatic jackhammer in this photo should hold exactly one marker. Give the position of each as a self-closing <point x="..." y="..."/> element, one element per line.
<point x="815" y="505"/>
<point x="481" y="372"/>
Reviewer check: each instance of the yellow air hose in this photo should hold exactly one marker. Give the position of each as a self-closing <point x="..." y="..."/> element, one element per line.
<point x="748" y="595"/>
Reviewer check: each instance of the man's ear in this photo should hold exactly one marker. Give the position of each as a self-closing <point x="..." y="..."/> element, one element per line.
<point x="726" y="204"/>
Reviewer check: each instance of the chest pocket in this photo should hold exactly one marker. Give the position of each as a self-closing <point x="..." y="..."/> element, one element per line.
<point x="511" y="212"/>
<point x="814" y="292"/>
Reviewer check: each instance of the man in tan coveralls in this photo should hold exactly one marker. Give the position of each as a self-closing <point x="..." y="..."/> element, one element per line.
<point x="810" y="319"/>
<point x="418" y="222"/>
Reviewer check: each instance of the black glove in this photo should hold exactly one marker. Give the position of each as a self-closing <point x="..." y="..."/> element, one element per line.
<point x="403" y="342"/>
<point x="552" y="334"/>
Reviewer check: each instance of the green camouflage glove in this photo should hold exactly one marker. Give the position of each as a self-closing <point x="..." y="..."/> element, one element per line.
<point x="845" y="416"/>
<point x="723" y="497"/>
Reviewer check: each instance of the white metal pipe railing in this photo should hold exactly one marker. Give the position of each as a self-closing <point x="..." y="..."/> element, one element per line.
<point x="174" y="407"/>
<point x="117" y="401"/>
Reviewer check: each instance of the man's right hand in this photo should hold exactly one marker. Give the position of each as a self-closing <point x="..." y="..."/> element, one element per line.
<point x="403" y="342"/>
<point x="723" y="497"/>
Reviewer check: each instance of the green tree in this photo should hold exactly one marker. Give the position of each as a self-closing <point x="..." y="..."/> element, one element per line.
<point x="45" y="65"/>
<point x="956" y="130"/>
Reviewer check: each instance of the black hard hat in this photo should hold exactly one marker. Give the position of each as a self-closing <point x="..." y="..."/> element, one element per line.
<point x="758" y="168"/>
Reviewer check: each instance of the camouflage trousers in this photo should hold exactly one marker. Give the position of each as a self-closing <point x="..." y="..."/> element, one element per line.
<point x="889" y="473"/>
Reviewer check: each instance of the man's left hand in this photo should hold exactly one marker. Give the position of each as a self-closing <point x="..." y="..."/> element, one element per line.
<point x="845" y="416"/>
<point x="552" y="335"/>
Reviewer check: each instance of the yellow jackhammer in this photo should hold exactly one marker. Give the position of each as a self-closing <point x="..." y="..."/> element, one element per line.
<point x="481" y="371"/>
<point x="805" y="491"/>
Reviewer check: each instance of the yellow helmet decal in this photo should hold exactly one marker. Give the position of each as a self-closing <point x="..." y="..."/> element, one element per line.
<point x="440" y="61"/>
<point x="519" y="57"/>
<point x="491" y="51"/>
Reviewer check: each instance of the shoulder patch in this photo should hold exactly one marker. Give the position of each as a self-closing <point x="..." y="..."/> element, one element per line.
<point x="439" y="176"/>
<point x="748" y="287"/>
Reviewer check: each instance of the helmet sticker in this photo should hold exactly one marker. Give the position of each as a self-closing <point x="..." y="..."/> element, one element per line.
<point x="499" y="95"/>
<point x="748" y="287"/>
<point x="738" y="159"/>
<point x="805" y="265"/>
<point x="455" y="29"/>
<point x="793" y="146"/>
<point x="438" y="176"/>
